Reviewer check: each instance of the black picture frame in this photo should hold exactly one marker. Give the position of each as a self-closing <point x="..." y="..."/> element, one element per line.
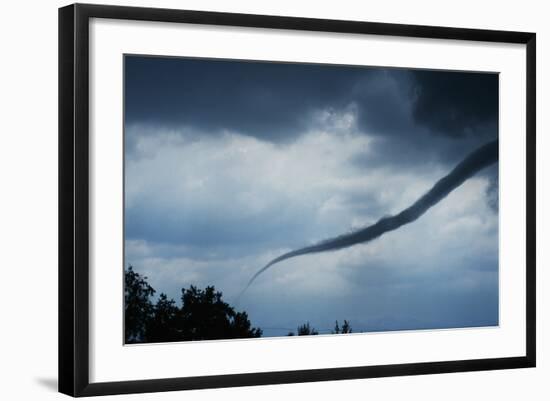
<point x="74" y="199"/>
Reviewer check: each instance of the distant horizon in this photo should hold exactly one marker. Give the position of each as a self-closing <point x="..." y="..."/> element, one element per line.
<point x="229" y="164"/>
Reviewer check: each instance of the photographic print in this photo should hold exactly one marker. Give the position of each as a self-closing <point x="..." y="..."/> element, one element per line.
<point x="271" y="199"/>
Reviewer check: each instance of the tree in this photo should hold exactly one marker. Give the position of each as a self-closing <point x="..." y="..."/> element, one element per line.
<point x="202" y="316"/>
<point x="346" y="328"/>
<point x="306" y="330"/>
<point x="138" y="309"/>
<point x="161" y="326"/>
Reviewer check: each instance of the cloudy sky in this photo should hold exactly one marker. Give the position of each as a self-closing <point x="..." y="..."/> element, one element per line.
<point x="228" y="164"/>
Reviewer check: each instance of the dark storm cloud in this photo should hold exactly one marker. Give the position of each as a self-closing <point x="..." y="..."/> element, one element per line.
<point x="415" y="115"/>
<point x="272" y="101"/>
<point x="455" y="104"/>
<point x="265" y="100"/>
<point x="384" y="103"/>
<point x="431" y="117"/>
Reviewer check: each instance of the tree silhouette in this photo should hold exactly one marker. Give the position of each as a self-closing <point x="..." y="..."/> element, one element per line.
<point x="345" y="329"/>
<point x="161" y="326"/>
<point x="306" y="330"/>
<point x="138" y="309"/>
<point x="202" y="316"/>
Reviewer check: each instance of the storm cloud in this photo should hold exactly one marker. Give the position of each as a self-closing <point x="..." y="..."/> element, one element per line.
<point x="456" y="104"/>
<point x="278" y="102"/>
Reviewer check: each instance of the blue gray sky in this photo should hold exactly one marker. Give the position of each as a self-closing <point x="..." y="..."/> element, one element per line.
<point x="230" y="163"/>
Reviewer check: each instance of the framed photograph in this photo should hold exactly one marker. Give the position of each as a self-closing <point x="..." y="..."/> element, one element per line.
<point x="250" y="199"/>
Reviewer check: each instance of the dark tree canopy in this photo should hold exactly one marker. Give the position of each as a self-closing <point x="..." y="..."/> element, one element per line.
<point x="203" y="315"/>
<point x="138" y="309"/>
<point x="307" y="330"/>
<point x="162" y="325"/>
<point x="345" y="329"/>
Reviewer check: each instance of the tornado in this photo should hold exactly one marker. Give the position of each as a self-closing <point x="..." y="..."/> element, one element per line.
<point x="479" y="159"/>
